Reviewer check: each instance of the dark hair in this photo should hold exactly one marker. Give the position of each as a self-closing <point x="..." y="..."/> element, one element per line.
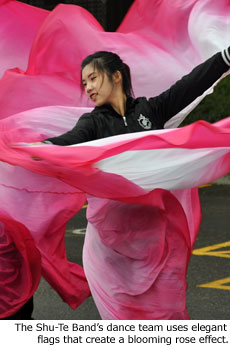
<point x="109" y="62"/>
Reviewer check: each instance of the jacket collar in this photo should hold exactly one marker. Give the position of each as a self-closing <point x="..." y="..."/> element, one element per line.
<point x="130" y="102"/>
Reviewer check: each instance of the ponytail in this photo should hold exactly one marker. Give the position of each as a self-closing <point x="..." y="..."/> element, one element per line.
<point x="127" y="81"/>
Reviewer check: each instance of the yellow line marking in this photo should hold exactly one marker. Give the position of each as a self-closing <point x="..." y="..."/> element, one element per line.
<point x="213" y="250"/>
<point x="79" y="231"/>
<point x="207" y="185"/>
<point x="219" y="284"/>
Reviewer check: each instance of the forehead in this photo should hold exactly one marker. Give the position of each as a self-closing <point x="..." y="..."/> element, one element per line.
<point x="88" y="70"/>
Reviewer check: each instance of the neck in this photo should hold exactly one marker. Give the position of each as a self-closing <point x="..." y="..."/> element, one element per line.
<point x="119" y="105"/>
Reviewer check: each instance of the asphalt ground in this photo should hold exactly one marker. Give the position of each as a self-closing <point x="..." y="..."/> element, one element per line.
<point x="208" y="274"/>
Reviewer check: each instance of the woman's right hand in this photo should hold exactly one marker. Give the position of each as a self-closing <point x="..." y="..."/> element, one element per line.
<point x="36" y="144"/>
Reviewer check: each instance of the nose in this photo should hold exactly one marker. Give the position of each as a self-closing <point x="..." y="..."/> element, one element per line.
<point x="88" y="88"/>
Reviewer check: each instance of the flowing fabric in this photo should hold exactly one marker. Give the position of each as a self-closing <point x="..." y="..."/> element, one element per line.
<point x="19" y="26"/>
<point x="144" y="211"/>
<point x="20" y="266"/>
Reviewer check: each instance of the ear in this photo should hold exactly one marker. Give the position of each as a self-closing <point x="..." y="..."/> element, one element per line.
<point x="117" y="77"/>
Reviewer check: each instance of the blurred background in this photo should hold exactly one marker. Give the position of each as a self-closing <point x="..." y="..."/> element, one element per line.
<point x="109" y="13"/>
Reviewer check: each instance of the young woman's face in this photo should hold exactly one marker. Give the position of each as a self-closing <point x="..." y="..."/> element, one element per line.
<point x="97" y="85"/>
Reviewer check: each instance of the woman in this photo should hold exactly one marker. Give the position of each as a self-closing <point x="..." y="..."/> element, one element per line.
<point x="135" y="273"/>
<point x="107" y="83"/>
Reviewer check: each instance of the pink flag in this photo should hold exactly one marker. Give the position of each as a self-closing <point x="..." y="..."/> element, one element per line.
<point x="157" y="55"/>
<point x="19" y="26"/>
<point x="142" y="220"/>
<point x="20" y="265"/>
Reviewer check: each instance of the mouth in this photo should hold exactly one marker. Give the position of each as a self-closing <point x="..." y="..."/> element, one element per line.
<point x="93" y="96"/>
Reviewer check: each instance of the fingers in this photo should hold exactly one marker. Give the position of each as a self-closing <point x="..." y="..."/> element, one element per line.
<point x="36" y="143"/>
<point x="36" y="158"/>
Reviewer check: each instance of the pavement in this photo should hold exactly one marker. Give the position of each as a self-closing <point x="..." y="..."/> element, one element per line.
<point x="208" y="274"/>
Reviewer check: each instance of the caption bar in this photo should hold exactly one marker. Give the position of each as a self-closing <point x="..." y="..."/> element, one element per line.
<point x="164" y="333"/>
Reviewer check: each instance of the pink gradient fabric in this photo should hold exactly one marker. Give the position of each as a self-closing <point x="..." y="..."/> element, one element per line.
<point x="19" y="26"/>
<point x="144" y="211"/>
<point x="157" y="55"/>
<point x="143" y="222"/>
<point x="20" y="266"/>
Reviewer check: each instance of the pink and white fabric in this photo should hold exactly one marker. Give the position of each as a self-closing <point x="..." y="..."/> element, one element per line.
<point x="20" y="265"/>
<point x="144" y="211"/>
<point x="19" y="26"/>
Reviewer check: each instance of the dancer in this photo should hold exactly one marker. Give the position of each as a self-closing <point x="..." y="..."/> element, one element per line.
<point x="128" y="277"/>
<point x="107" y="83"/>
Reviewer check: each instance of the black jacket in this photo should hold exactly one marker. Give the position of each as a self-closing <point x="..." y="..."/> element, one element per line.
<point x="144" y="114"/>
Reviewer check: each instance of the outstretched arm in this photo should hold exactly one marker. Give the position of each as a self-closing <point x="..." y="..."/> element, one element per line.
<point x="83" y="131"/>
<point x="191" y="86"/>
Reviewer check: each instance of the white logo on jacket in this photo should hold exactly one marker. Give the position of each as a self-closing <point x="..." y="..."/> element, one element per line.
<point x="144" y="122"/>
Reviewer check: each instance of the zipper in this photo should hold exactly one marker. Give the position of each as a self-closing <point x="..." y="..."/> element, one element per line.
<point x="125" y="122"/>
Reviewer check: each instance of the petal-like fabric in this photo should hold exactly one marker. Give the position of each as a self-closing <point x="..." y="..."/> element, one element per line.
<point x="144" y="212"/>
<point x="20" y="265"/>
<point x="44" y="206"/>
<point x="19" y="26"/>
<point x="141" y="224"/>
<point x="158" y="44"/>
<point x="167" y="159"/>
